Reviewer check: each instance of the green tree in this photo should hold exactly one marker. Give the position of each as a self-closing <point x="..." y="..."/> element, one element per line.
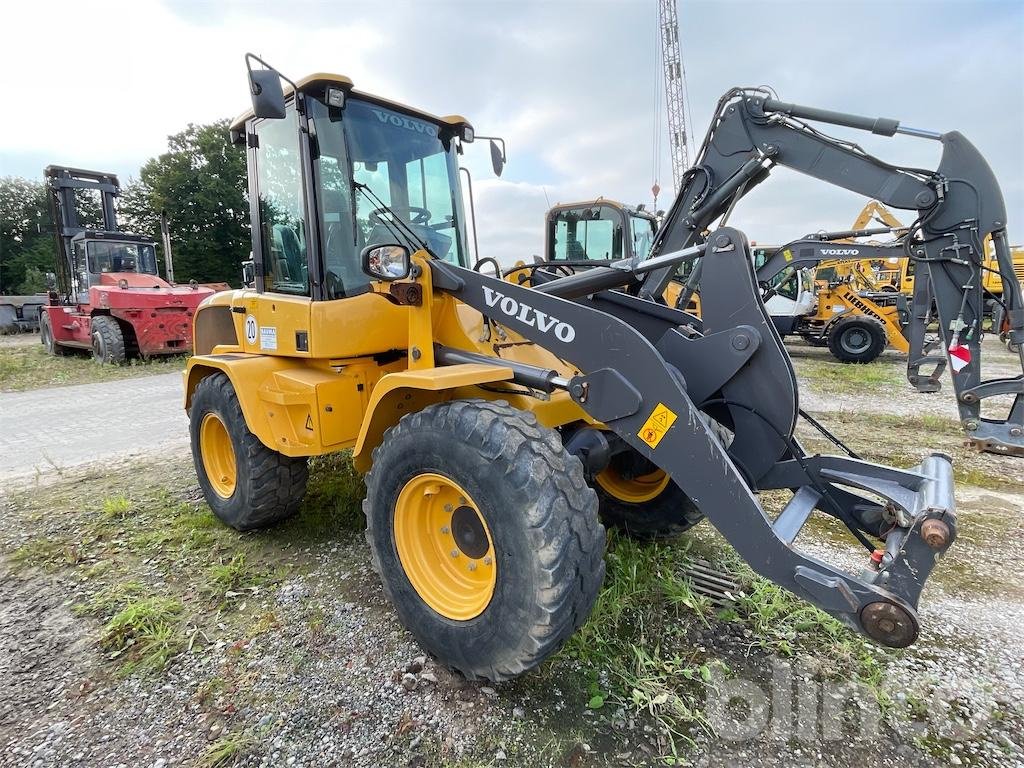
<point x="26" y="241"/>
<point x="201" y="184"/>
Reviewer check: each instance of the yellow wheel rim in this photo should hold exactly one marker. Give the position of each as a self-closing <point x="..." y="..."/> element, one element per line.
<point x="445" y="546"/>
<point x="218" y="455"/>
<point x="635" y="490"/>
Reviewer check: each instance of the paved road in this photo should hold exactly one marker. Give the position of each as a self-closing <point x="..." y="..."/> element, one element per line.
<point x="48" y="429"/>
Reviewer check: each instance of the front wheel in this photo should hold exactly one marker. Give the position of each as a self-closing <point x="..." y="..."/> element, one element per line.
<point x="485" y="535"/>
<point x="246" y="484"/>
<point x="859" y="339"/>
<point x="107" y="341"/>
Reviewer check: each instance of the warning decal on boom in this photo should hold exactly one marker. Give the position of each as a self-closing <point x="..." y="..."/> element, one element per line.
<point x="657" y="425"/>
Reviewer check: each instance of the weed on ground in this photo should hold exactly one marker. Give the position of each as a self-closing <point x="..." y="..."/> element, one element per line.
<point x="28" y="366"/>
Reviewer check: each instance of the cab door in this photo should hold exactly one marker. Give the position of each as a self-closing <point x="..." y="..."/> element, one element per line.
<point x="276" y="316"/>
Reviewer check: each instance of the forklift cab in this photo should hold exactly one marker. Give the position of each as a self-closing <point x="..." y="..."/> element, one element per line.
<point x="95" y="254"/>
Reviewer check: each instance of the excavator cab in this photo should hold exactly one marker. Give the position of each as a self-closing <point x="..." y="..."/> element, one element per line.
<point x="597" y="231"/>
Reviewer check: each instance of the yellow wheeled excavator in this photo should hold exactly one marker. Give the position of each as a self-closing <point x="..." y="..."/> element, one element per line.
<point x="482" y="409"/>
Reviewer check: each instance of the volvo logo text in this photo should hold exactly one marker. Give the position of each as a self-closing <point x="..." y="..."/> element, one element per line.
<point x="839" y="252"/>
<point x="524" y="313"/>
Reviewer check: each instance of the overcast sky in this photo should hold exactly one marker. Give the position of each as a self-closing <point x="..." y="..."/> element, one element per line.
<point x="570" y="85"/>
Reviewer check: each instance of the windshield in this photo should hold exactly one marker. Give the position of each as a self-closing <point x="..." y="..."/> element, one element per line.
<point x="374" y="159"/>
<point x="585" y="233"/>
<point x="109" y="256"/>
<point x="642" y="230"/>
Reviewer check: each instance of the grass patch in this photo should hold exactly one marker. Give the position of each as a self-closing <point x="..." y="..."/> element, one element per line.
<point x="835" y="378"/>
<point x="634" y="647"/>
<point x="782" y="623"/>
<point x="145" y="634"/>
<point x="653" y="646"/>
<point x="157" y="568"/>
<point x="227" y="749"/>
<point x="27" y="366"/>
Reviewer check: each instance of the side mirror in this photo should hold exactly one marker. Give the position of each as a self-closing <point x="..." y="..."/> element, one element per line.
<point x="497" y="158"/>
<point x="248" y="273"/>
<point x="386" y="262"/>
<point x="267" y="94"/>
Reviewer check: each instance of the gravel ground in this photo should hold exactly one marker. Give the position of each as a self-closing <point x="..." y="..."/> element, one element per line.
<point x="330" y="677"/>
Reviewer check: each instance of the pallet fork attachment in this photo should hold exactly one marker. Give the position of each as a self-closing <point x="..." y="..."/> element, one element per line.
<point x="655" y="386"/>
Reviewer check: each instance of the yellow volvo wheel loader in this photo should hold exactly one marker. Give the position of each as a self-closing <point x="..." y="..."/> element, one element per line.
<point x="481" y="410"/>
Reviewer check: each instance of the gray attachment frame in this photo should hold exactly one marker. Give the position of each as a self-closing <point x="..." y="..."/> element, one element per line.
<point x="637" y="357"/>
<point x="958" y="205"/>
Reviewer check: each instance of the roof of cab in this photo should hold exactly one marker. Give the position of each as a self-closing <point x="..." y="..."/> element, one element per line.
<point x="308" y="83"/>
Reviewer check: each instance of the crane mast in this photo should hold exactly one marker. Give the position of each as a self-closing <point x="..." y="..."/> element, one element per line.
<point x="675" y="77"/>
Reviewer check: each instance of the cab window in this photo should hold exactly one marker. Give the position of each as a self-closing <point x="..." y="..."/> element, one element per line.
<point x="591" y="233"/>
<point x="384" y="177"/>
<point x="283" y="233"/>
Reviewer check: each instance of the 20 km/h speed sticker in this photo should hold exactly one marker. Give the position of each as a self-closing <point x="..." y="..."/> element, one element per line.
<point x="251" y="329"/>
<point x="657" y="425"/>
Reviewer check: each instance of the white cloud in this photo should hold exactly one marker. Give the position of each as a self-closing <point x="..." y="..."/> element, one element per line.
<point x="570" y="85"/>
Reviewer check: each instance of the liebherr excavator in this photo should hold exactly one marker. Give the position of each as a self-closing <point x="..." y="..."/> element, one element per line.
<point x="484" y="412"/>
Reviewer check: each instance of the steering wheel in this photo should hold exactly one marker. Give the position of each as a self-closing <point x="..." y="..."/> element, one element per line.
<point x="419" y="215"/>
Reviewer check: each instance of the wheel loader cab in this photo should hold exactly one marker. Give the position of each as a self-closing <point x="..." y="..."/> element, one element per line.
<point x="330" y="181"/>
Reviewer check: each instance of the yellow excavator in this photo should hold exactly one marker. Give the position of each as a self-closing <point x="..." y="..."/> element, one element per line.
<point x="899" y="274"/>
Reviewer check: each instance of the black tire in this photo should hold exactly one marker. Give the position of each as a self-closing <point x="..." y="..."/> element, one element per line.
<point x="542" y="518"/>
<point x="857" y="339"/>
<point x="268" y="486"/>
<point x="107" y="341"/>
<point x="46" y="337"/>
<point x="668" y="514"/>
<point x="665" y="516"/>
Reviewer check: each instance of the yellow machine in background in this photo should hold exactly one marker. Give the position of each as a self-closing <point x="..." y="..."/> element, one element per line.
<point x="855" y="323"/>
<point x="898" y="274"/>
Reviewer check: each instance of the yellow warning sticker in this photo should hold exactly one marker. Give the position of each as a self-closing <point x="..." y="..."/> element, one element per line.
<point x="657" y="425"/>
<point x="787" y="255"/>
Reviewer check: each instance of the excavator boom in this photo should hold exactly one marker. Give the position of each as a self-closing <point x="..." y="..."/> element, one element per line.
<point x="958" y="205"/>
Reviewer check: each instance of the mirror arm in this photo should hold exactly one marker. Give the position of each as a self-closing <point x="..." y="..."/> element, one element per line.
<point x="504" y="155"/>
<point x="249" y="57"/>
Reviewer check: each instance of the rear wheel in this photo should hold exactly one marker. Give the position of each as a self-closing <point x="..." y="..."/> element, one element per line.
<point x="246" y="484"/>
<point x="859" y="339"/>
<point x="641" y="500"/>
<point x="485" y="535"/>
<point x="46" y="336"/>
<point x="107" y="341"/>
